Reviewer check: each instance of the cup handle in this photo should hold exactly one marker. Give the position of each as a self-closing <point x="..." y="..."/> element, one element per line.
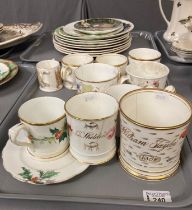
<point x="66" y="72"/>
<point x="123" y="79"/>
<point x="14" y="133"/>
<point x="170" y="88"/>
<point x="42" y="76"/>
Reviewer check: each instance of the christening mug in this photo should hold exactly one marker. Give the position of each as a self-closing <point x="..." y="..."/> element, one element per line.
<point x="49" y="75"/>
<point x="91" y="128"/>
<point x="96" y="77"/>
<point x="69" y="64"/>
<point x="154" y="124"/>
<point x="42" y="127"/>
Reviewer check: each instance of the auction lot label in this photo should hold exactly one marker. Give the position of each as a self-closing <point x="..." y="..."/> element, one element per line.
<point x="157" y="196"/>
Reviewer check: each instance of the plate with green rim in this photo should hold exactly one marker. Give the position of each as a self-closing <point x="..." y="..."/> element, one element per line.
<point x="13" y="67"/>
<point x="98" y="25"/>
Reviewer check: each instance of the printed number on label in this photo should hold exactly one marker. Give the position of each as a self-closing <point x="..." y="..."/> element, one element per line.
<point x="157" y="196"/>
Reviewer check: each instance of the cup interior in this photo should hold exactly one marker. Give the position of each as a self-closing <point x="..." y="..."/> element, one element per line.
<point x="47" y="64"/>
<point x="91" y="106"/>
<point x="117" y="91"/>
<point x="155" y="108"/>
<point x="77" y="59"/>
<point x="147" y="70"/>
<point x="144" y="54"/>
<point x="112" y="59"/>
<point x="42" y="110"/>
<point x="96" y="72"/>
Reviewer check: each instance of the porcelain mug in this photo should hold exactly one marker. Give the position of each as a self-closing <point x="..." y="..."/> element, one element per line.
<point x="143" y="54"/>
<point x="95" y="77"/>
<point x="91" y="128"/>
<point x="154" y="124"/>
<point x="69" y="64"/>
<point x="49" y="75"/>
<point x="42" y="128"/>
<point x="117" y="60"/>
<point x="147" y="74"/>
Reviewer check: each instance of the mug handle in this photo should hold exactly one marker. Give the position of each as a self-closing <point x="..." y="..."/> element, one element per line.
<point x="66" y="72"/>
<point x="14" y="133"/>
<point x="123" y="79"/>
<point x="42" y="75"/>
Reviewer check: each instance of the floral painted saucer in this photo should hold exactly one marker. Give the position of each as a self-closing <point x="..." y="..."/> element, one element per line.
<point x="26" y="168"/>
<point x="13" y="70"/>
<point x="4" y="71"/>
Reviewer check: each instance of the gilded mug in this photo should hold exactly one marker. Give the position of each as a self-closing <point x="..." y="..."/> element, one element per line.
<point x="92" y="128"/>
<point x="154" y="124"/>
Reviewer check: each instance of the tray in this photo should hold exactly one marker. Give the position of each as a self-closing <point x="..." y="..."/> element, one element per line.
<point x="108" y="185"/>
<point x="166" y="49"/>
<point x="43" y="49"/>
<point x="11" y="91"/>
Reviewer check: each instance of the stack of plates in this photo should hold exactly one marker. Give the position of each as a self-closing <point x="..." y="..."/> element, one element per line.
<point x="1" y="27"/>
<point x="94" y="36"/>
<point x="8" y="70"/>
<point x="183" y="47"/>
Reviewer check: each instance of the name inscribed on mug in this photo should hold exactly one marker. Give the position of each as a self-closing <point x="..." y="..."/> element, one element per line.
<point x="130" y="135"/>
<point x="89" y="135"/>
<point x="158" y="145"/>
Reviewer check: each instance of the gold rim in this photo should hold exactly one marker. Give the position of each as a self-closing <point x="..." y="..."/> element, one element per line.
<point x="74" y="65"/>
<point x="115" y="77"/>
<point x="176" y="95"/>
<point x="42" y="124"/>
<point x="160" y="77"/>
<point x="131" y="171"/>
<point x="81" y="119"/>
<point x="139" y="59"/>
<point x="117" y="65"/>
<point x="97" y="162"/>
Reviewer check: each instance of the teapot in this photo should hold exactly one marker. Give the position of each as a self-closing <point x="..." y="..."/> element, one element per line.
<point x="182" y="9"/>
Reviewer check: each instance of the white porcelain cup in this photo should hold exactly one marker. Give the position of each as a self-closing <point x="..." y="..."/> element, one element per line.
<point x="92" y="127"/>
<point x="118" y="91"/>
<point x="143" y="54"/>
<point x="147" y="74"/>
<point x="117" y="60"/>
<point x="69" y="64"/>
<point x="95" y="77"/>
<point x="154" y="124"/>
<point x="49" y="75"/>
<point x="42" y="128"/>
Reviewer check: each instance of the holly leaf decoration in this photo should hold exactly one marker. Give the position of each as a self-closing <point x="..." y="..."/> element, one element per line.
<point x="63" y="136"/>
<point x="26" y="174"/>
<point x="47" y="174"/>
<point x="53" y="131"/>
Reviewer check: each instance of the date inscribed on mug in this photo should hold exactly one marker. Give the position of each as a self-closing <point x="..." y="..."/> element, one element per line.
<point x="157" y="196"/>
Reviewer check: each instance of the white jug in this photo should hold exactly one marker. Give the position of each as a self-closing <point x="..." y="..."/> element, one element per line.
<point x="182" y="9"/>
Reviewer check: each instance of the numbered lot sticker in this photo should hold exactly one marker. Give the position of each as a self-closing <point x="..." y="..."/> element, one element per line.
<point x="157" y="196"/>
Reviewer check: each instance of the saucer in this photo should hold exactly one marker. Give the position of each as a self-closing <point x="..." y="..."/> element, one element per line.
<point x="26" y="168"/>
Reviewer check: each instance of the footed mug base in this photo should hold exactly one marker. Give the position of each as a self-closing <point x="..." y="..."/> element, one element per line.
<point x="94" y="160"/>
<point x="70" y="86"/>
<point x="149" y="176"/>
<point x="50" y="89"/>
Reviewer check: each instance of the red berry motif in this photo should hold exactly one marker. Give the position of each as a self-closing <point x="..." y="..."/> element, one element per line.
<point x="111" y="133"/>
<point x="34" y="179"/>
<point x="58" y="134"/>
